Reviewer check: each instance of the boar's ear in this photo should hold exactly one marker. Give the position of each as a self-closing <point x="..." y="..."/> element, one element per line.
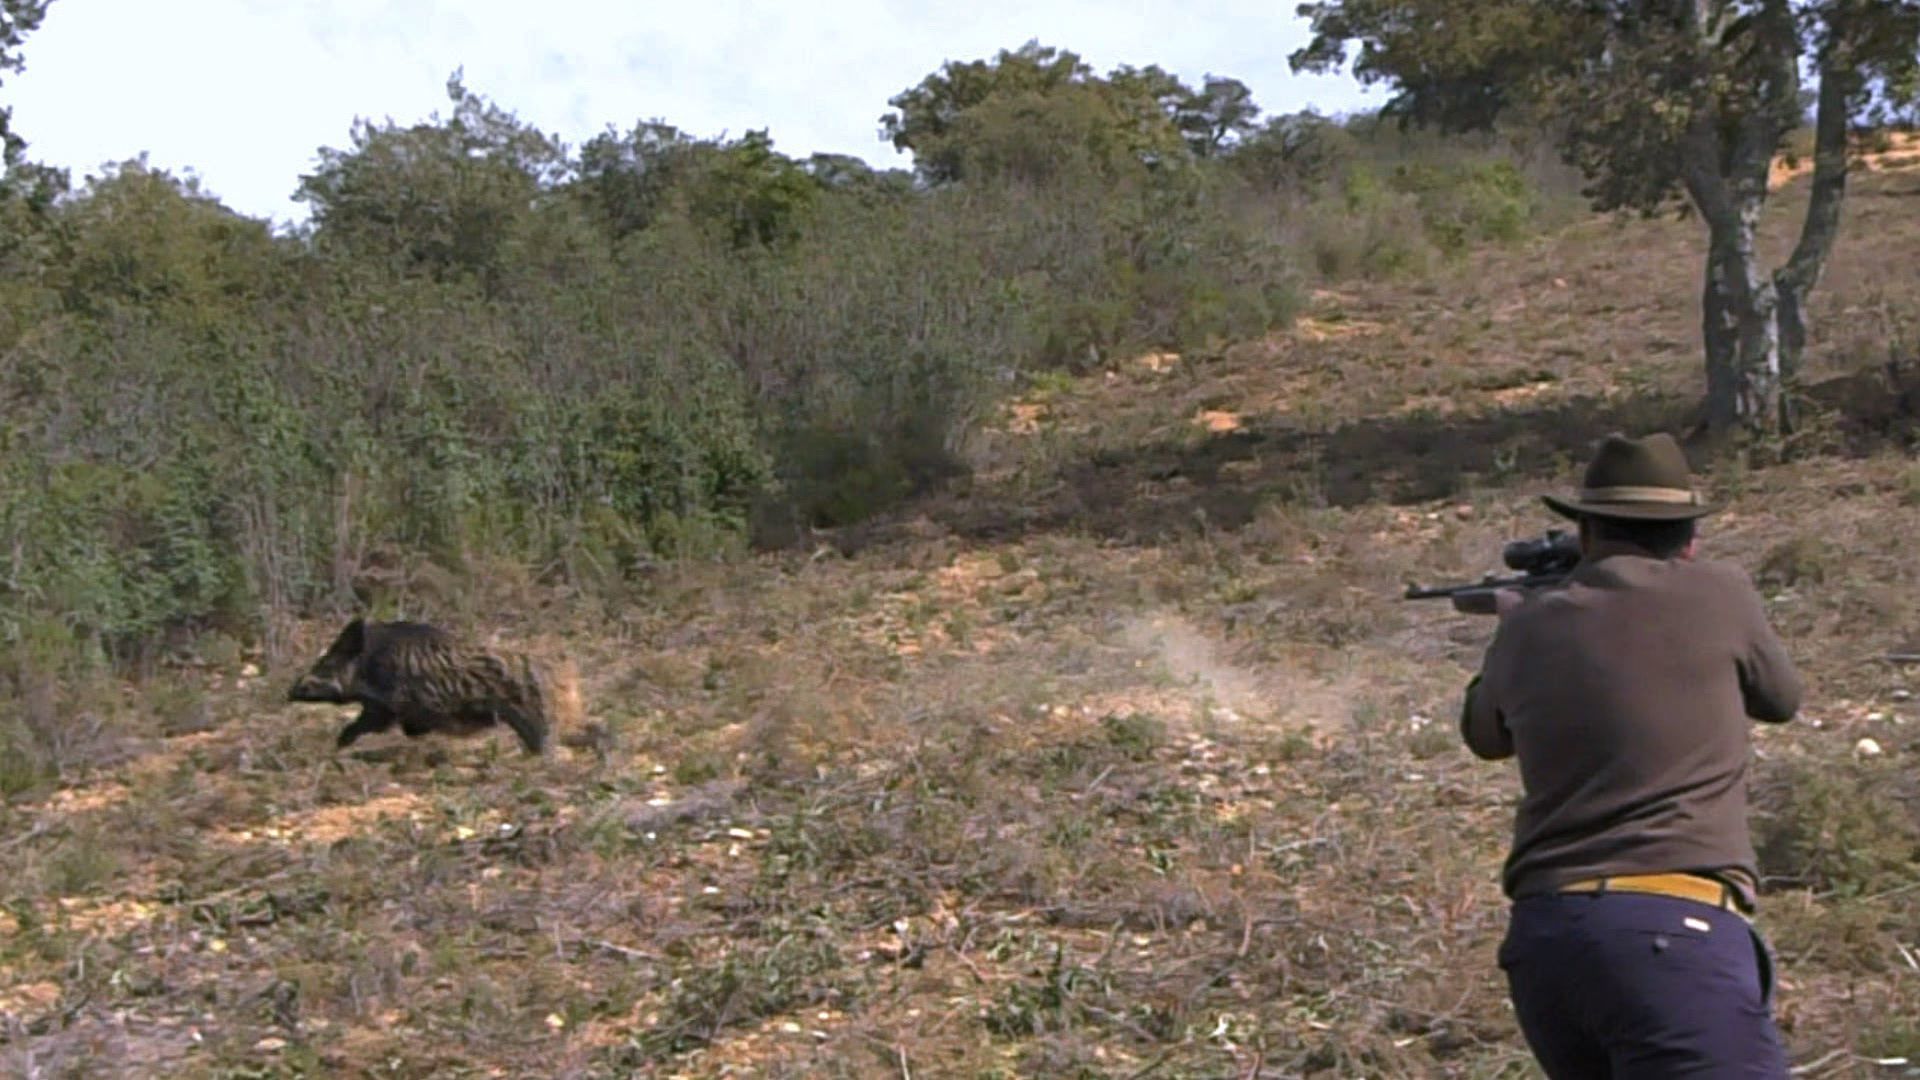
<point x="353" y="638"/>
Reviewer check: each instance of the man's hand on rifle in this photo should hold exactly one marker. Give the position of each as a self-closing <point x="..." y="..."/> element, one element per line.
<point x="1487" y="602"/>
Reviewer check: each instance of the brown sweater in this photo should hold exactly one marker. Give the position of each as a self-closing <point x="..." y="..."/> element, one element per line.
<point x="1626" y="694"/>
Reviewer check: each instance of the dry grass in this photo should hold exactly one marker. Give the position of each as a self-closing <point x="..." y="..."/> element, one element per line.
<point x="1125" y="761"/>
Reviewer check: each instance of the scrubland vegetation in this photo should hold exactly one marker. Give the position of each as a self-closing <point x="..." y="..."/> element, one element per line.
<point x="985" y="583"/>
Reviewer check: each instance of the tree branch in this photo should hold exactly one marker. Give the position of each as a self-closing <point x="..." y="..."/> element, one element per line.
<point x="1700" y="171"/>
<point x="1701" y="168"/>
<point x="1770" y="57"/>
<point x="1838" y="82"/>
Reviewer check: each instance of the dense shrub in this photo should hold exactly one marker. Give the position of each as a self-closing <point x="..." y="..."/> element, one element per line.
<point x="487" y="349"/>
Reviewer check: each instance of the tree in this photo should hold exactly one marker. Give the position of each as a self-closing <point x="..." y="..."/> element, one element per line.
<point x="747" y="190"/>
<point x="846" y="173"/>
<point x="753" y="193"/>
<point x="1219" y="115"/>
<point x="626" y="178"/>
<point x="1298" y="151"/>
<point x="925" y="115"/>
<point x="439" y="196"/>
<point x="1033" y="111"/>
<point x="18" y="18"/>
<point x="144" y="243"/>
<point x="27" y="189"/>
<point x="1655" y="101"/>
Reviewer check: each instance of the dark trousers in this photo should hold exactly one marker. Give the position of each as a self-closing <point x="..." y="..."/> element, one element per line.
<point x="1630" y="985"/>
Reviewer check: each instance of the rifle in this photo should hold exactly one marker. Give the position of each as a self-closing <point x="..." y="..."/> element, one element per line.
<point x="1540" y="560"/>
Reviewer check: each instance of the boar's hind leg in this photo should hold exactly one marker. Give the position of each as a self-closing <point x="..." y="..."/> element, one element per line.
<point x="372" y="718"/>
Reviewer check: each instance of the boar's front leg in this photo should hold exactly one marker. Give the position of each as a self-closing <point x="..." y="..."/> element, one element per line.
<point x="373" y="717"/>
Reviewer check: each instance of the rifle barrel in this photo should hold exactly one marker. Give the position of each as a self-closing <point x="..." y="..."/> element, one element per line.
<point x="1432" y="592"/>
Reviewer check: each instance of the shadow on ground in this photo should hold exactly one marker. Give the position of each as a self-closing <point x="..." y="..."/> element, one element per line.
<point x="1220" y="482"/>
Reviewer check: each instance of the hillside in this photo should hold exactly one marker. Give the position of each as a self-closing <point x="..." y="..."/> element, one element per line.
<point x="1121" y="758"/>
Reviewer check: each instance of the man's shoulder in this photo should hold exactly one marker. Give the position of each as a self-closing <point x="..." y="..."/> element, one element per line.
<point x="1711" y="589"/>
<point x="1718" y="573"/>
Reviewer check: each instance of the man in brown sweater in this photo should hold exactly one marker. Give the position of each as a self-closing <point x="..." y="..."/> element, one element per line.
<point x="1626" y="693"/>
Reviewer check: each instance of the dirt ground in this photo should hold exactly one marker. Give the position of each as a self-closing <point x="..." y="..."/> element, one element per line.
<point x="1121" y="759"/>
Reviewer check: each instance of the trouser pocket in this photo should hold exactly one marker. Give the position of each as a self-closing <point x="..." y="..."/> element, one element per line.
<point x="1763" y="959"/>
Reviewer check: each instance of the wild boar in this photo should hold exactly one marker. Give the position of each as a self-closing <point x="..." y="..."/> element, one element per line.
<point x="426" y="681"/>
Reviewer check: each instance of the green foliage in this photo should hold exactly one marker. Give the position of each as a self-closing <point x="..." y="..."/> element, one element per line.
<point x="1137" y="735"/>
<point x="1654" y="101"/>
<point x="743" y="189"/>
<point x="18" y="18"/>
<point x="1847" y="829"/>
<point x="1299" y="152"/>
<point x="753" y="194"/>
<point x="1453" y="63"/>
<point x="1217" y="116"/>
<point x="487" y="350"/>
<point x="1032" y="113"/>
<point x="437" y="196"/>
<point x="1476" y="203"/>
<point x="1807" y="559"/>
<point x="925" y="117"/>
<point x="139" y="240"/>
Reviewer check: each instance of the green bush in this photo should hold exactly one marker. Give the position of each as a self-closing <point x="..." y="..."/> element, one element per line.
<point x="1839" y="827"/>
<point x="1470" y="203"/>
<point x="486" y="349"/>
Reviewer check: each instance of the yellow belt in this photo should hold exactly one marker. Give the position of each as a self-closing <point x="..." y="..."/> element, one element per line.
<point x="1684" y="886"/>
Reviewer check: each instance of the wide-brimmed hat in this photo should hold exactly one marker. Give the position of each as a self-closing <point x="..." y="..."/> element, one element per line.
<point x="1636" y="479"/>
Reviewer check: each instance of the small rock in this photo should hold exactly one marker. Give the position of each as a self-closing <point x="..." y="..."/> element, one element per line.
<point x="270" y="1044"/>
<point x="1463" y="512"/>
<point x="249" y="671"/>
<point x="1867" y="748"/>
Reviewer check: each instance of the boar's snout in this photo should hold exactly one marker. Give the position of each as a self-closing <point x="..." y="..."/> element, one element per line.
<point x="311" y="687"/>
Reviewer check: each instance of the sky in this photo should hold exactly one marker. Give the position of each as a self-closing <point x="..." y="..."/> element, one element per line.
<point x="242" y="93"/>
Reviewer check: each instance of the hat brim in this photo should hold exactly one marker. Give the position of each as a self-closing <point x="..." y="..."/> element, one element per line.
<point x="1572" y="508"/>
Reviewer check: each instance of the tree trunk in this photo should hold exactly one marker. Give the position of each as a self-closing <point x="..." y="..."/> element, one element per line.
<point x="1742" y="329"/>
<point x="1721" y="333"/>
<point x="1752" y="318"/>
<point x="1839" y="82"/>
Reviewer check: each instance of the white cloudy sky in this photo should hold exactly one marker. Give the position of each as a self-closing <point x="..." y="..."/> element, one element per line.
<point x="242" y="92"/>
